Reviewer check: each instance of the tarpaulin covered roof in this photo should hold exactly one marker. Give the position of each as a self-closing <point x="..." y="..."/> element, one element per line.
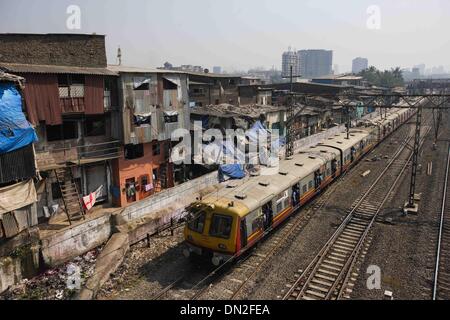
<point x="15" y="131"/>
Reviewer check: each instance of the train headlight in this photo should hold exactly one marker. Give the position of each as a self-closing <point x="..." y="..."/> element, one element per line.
<point x="222" y="246"/>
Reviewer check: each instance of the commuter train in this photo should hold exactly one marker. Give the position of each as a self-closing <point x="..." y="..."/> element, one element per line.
<point x="223" y="225"/>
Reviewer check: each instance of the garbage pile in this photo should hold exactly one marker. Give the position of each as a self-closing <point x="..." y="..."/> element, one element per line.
<point x="61" y="283"/>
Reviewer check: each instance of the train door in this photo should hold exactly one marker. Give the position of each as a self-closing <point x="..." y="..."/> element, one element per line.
<point x="296" y="194"/>
<point x="334" y="164"/>
<point x="268" y="215"/>
<point x="317" y="179"/>
<point x="243" y="233"/>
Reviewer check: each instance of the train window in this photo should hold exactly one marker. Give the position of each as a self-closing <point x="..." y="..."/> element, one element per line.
<point x="220" y="226"/>
<point x="282" y="201"/>
<point x="198" y="223"/>
<point x="310" y="184"/>
<point x="253" y="222"/>
<point x="305" y="189"/>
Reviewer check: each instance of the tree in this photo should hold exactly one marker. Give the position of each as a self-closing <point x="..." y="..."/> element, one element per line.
<point x="386" y="78"/>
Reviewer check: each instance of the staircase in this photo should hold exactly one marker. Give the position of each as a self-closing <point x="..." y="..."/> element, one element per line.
<point x="69" y="191"/>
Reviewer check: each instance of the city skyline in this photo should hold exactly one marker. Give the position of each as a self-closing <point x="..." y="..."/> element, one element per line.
<point x="245" y="36"/>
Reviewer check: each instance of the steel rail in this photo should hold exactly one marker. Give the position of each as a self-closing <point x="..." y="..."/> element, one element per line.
<point x="441" y="225"/>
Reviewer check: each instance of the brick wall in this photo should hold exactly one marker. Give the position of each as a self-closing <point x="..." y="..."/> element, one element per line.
<point x="54" y="49"/>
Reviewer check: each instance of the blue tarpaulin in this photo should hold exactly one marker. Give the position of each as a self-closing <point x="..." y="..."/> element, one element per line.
<point x="234" y="171"/>
<point x="15" y="131"/>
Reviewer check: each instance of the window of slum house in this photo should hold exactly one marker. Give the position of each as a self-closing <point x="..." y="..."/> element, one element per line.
<point x="232" y="82"/>
<point x="142" y="119"/>
<point x="169" y="85"/>
<point x="67" y="131"/>
<point x="134" y="151"/>
<point x="95" y="126"/>
<point x="71" y="85"/>
<point x="109" y="98"/>
<point x="170" y="118"/>
<point x="156" y="149"/>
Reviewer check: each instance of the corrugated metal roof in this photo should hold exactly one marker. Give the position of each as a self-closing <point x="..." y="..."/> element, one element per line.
<point x="125" y="69"/>
<point x="36" y="68"/>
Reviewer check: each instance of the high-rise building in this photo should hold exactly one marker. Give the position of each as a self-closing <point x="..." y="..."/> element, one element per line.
<point x="315" y="62"/>
<point x="289" y="59"/>
<point x="217" y="69"/>
<point x="359" y="64"/>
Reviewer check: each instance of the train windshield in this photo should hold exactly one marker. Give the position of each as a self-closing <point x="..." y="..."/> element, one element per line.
<point x="221" y="226"/>
<point x="197" y="224"/>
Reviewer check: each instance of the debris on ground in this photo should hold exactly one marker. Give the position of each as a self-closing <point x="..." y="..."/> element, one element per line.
<point x="60" y="283"/>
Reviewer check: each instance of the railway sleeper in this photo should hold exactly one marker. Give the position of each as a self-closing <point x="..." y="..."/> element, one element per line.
<point x="339" y="254"/>
<point x="322" y="282"/>
<point x="350" y="235"/>
<point x="343" y="246"/>
<point x="346" y="241"/>
<point x="355" y="228"/>
<point x="333" y="257"/>
<point x="320" y="275"/>
<point x="365" y="216"/>
<point x="314" y="293"/>
<point x="314" y="287"/>
<point x="305" y="297"/>
<point x="360" y="221"/>
<point x="328" y="262"/>
<point x="329" y="271"/>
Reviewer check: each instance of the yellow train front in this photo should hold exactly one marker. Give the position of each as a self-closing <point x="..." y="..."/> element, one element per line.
<point x="213" y="229"/>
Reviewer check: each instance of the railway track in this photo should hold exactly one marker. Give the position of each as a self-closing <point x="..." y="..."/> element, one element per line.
<point x="441" y="283"/>
<point x="328" y="275"/>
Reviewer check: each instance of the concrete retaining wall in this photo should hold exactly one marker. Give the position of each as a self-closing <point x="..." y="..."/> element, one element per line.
<point x="79" y="239"/>
<point x="23" y="263"/>
<point x="168" y="198"/>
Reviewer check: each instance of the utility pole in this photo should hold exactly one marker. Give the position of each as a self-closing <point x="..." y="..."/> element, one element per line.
<point x="348" y="121"/>
<point x="290" y="129"/>
<point x="411" y="206"/>
<point x="415" y="159"/>
<point x="290" y="133"/>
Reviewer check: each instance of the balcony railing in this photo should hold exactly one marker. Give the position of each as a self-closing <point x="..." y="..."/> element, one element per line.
<point x="52" y="156"/>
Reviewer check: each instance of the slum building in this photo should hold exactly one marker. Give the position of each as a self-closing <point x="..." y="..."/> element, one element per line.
<point x="69" y="97"/>
<point x="153" y="103"/>
<point x="213" y="89"/>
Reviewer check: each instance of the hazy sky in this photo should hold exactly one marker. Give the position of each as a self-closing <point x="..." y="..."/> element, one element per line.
<point x="240" y="34"/>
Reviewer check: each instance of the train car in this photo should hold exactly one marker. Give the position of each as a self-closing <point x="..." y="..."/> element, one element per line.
<point x="228" y="222"/>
